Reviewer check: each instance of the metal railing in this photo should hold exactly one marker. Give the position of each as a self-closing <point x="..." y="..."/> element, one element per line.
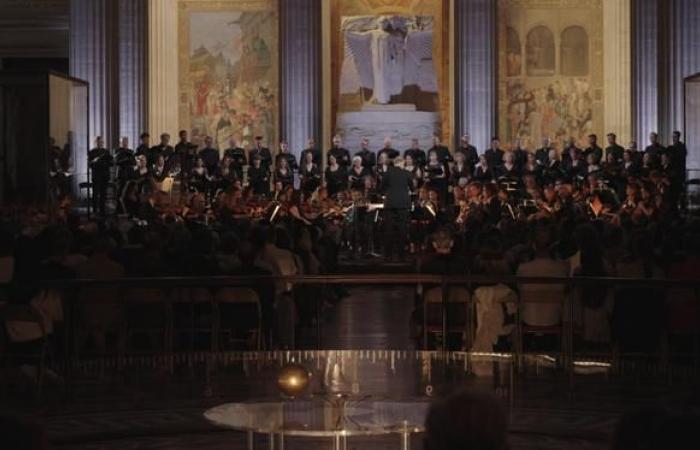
<point x="178" y="290"/>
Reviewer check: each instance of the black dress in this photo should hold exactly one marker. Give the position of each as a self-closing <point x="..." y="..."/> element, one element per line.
<point x="336" y="180"/>
<point x="310" y="177"/>
<point x="259" y="180"/>
<point x="357" y="179"/>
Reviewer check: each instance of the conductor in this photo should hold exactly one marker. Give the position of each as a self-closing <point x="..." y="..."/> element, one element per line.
<point x="397" y="184"/>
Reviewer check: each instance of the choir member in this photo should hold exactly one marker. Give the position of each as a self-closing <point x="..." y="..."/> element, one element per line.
<point x="285" y="154"/>
<point x="263" y="152"/>
<point x="336" y="176"/>
<point x="186" y="152"/>
<point x="144" y="148"/>
<point x="357" y="173"/>
<point x="593" y="149"/>
<point x="484" y="172"/>
<point x="237" y="156"/>
<point x="100" y="161"/>
<point x="309" y="174"/>
<point x="390" y="152"/>
<point x="494" y="155"/>
<point x="460" y="169"/>
<point x="614" y="148"/>
<point x="315" y="152"/>
<point x="283" y="172"/>
<point x="259" y="176"/>
<point x="369" y="159"/>
<point x="209" y="155"/>
<point x="341" y="155"/>
<point x="416" y="153"/>
<point x="542" y="153"/>
<point x="163" y="148"/>
<point x="442" y="152"/>
<point x="654" y="149"/>
<point x="471" y="157"/>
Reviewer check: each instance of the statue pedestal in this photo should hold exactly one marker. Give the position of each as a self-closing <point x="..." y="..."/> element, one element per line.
<point x="375" y="125"/>
<point x="396" y="107"/>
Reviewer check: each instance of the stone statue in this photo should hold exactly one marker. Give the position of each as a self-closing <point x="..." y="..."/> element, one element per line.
<point x="392" y="56"/>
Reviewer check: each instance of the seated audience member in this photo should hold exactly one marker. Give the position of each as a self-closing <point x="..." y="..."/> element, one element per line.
<point x="102" y="312"/>
<point x="19" y="433"/>
<point x="542" y="303"/>
<point x="466" y="421"/>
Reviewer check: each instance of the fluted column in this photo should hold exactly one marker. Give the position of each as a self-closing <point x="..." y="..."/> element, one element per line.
<point x="162" y="67"/>
<point x="645" y="80"/>
<point x="684" y="59"/>
<point x="617" y="68"/>
<point x="300" y="72"/>
<point x="93" y="50"/>
<point x="475" y="64"/>
<point x="133" y="76"/>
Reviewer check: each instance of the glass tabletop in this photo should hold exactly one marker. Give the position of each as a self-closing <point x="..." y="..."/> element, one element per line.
<point x="323" y="416"/>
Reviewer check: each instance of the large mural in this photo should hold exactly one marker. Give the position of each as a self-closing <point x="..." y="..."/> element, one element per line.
<point x="228" y="70"/>
<point x="389" y="75"/>
<point x="551" y="70"/>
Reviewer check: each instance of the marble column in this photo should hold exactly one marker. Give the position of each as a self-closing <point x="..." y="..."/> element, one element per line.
<point x="475" y="70"/>
<point x="93" y="51"/>
<point x="162" y="67"/>
<point x="617" y="68"/>
<point x="133" y="74"/>
<point x="683" y="49"/>
<point x="645" y="72"/>
<point x="301" y="84"/>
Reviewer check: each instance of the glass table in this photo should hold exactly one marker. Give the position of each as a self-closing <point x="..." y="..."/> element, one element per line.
<point x="336" y="417"/>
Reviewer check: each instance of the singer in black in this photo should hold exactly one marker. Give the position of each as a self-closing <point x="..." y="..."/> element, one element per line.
<point x="397" y="185"/>
<point x="100" y="162"/>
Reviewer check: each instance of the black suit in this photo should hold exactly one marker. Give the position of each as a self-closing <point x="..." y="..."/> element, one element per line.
<point x="397" y="203"/>
<point x="238" y="160"/>
<point x="443" y="153"/>
<point x="617" y="152"/>
<point x="342" y="156"/>
<point x="315" y="156"/>
<point x="471" y="157"/>
<point x="265" y="156"/>
<point x="100" y="162"/>
<point x="210" y="156"/>
<point x="369" y="160"/>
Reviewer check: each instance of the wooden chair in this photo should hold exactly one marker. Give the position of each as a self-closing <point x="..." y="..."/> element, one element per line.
<point x="458" y="313"/>
<point x="245" y="325"/>
<point x="12" y="354"/>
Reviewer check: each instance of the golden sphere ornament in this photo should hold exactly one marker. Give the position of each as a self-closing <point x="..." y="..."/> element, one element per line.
<point x="293" y="379"/>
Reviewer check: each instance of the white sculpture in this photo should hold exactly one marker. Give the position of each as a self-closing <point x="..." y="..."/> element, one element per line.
<point x="389" y="57"/>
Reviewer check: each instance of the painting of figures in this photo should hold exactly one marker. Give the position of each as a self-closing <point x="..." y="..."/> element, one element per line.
<point x="228" y="84"/>
<point x="550" y="72"/>
<point x="558" y="110"/>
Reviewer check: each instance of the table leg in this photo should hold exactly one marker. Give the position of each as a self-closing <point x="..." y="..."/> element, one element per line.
<point x="272" y="441"/>
<point x="280" y="445"/>
<point x="336" y="442"/>
<point x="405" y="441"/>
<point x="251" y="441"/>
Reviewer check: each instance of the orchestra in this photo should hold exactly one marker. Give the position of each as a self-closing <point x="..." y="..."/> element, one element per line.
<point x="457" y="189"/>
